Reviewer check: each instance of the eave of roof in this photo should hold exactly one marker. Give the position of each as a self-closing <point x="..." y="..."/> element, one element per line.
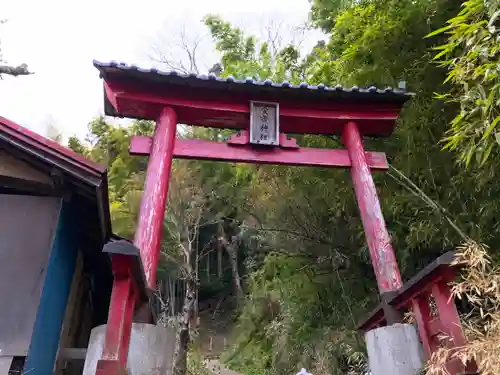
<point x="48" y="146"/>
<point x="121" y="71"/>
<point x="81" y="172"/>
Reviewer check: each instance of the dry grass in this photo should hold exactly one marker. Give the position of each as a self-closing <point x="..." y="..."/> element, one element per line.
<point x="480" y="284"/>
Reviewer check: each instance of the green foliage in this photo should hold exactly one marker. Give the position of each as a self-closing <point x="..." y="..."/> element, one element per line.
<point x="471" y="54"/>
<point x="290" y="320"/>
<point x="108" y="144"/>
<point x="195" y="364"/>
<point x="382" y="42"/>
<point x="194" y="184"/>
<point x="243" y="57"/>
<point x="325" y="12"/>
<point x="309" y="216"/>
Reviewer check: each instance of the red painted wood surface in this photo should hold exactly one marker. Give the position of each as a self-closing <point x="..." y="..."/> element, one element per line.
<point x="444" y="329"/>
<point x="240" y="138"/>
<point x="379" y="243"/>
<point x="243" y="138"/>
<point x="440" y="330"/>
<point x="242" y="153"/>
<point x="441" y="270"/>
<point x="288" y="142"/>
<point x="232" y="110"/>
<point x="448" y="313"/>
<point x="117" y="337"/>
<point x="422" y="313"/>
<point x="150" y="223"/>
<point x="450" y="325"/>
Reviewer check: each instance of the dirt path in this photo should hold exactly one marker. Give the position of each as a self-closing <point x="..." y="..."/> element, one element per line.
<point x="218" y="368"/>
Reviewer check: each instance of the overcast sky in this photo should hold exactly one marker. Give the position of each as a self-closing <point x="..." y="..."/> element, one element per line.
<point x="58" y="39"/>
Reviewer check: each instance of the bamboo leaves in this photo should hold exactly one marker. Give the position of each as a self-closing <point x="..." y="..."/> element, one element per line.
<point x="471" y="56"/>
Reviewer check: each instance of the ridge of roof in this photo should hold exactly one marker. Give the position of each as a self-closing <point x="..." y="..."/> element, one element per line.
<point x="171" y="75"/>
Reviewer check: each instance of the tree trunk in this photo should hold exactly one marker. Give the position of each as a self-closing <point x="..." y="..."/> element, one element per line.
<point x="196" y="298"/>
<point x="183" y="336"/>
<point x="232" y="250"/>
<point x="219" y="259"/>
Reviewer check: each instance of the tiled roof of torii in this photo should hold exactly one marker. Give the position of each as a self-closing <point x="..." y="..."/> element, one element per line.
<point x="249" y="85"/>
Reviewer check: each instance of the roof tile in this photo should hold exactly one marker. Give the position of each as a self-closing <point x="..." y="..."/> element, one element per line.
<point x="371" y="92"/>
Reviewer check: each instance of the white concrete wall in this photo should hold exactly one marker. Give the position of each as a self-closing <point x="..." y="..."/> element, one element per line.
<point x="151" y="350"/>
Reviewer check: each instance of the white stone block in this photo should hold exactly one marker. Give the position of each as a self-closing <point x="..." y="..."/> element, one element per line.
<point x="151" y="350"/>
<point x="394" y="350"/>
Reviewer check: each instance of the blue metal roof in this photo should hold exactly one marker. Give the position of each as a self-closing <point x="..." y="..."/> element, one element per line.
<point x="120" y="69"/>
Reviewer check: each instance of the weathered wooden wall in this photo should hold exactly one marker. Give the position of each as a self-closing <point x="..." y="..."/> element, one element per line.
<point x="27" y="227"/>
<point x="77" y="325"/>
<point x="13" y="167"/>
<point x="73" y="315"/>
<point x="53" y="301"/>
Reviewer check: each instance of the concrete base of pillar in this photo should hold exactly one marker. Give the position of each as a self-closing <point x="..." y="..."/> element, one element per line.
<point x="151" y="350"/>
<point x="394" y="350"/>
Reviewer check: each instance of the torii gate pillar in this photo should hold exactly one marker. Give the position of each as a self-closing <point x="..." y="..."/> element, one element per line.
<point x="152" y="212"/>
<point x="379" y="243"/>
<point x="394" y="349"/>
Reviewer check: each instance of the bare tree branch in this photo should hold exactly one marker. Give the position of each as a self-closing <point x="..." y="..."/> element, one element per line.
<point x="274" y="36"/>
<point x="190" y="49"/>
<point x="20" y="70"/>
<point x="184" y="61"/>
<point x="279" y="35"/>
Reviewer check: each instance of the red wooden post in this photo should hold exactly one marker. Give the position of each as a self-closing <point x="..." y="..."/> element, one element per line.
<point x="117" y="338"/>
<point x="381" y="252"/>
<point x="150" y="223"/>
<point x="423" y="316"/>
<point x="448" y="314"/>
<point x="450" y="324"/>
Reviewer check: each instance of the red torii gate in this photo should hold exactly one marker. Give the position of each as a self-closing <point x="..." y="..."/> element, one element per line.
<point x="263" y="113"/>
